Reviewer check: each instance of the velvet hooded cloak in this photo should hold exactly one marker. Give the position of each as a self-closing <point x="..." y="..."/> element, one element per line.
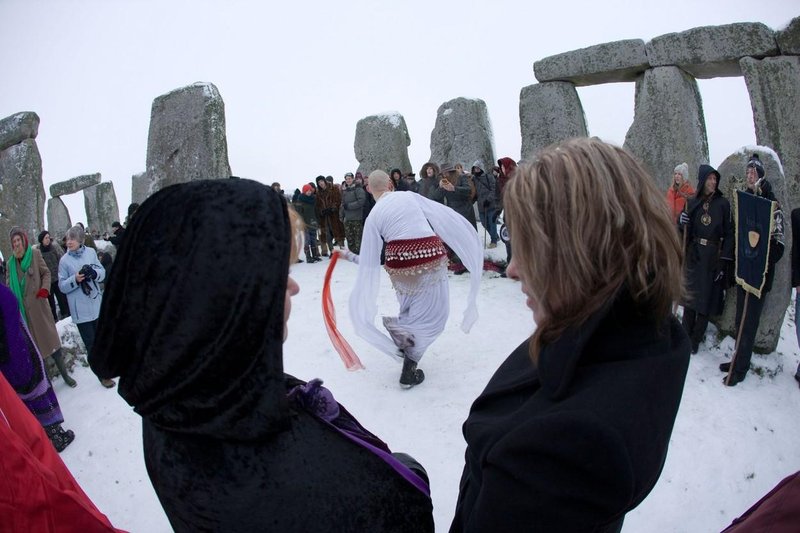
<point x="192" y="323"/>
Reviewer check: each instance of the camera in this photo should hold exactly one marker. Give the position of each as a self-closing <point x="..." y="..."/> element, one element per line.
<point x="88" y="272"/>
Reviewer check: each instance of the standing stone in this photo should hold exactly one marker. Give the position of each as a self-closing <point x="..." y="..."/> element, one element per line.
<point x="21" y="191"/>
<point x="382" y="143"/>
<point x="668" y="125"/>
<point x="548" y="113"/>
<point x="602" y="63"/>
<point x="101" y="207"/>
<point x="712" y="51"/>
<point x="139" y="185"/>
<point x="774" y="87"/>
<point x="73" y="185"/>
<point x="16" y="128"/>
<point x="463" y="134"/>
<point x="732" y="171"/>
<point x="789" y="38"/>
<point x="187" y="137"/>
<point x="58" y="221"/>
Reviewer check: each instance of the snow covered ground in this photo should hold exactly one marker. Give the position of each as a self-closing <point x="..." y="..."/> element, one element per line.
<point x="729" y="447"/>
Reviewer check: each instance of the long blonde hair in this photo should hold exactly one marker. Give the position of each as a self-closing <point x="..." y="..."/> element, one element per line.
<point x="584" y="219"/>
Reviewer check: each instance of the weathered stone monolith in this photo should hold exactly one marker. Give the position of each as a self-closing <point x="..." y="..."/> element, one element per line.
<point x="549" y="112"/>
<point x="776" y="301"/>
<point x="21" y="191"/>
<point x="712" y="51"/>
<point x="139" y="185"/>
<point x="774" y="87"/>
<point x="101" y="207"/>
<point x="789" y="38"/>
<point x="382" y="143"/>
<point x="73" y="185"/>
<point x="668" y="125"/>
<point x="463" y="133"/>
<point x="187" y="139"/>
<point x="58" y="220"/>
<point x="16" y="128"/>
<point x="601" y="63"/>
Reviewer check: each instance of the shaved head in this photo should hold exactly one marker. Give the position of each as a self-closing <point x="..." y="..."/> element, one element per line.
<point x="379" y="182"/>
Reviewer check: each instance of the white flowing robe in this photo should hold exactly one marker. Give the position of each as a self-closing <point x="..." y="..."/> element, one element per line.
<point x="424" y="303"/>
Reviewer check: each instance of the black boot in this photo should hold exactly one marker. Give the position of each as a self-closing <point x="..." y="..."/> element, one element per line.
<point x="60" y="438"/>
<point x="411" y="375"/>
<point x="62" y="368"/>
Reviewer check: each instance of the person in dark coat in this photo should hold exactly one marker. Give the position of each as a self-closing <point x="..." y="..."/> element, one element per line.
<point x="709" y="254"/>
<point x="428" y="179"/>
<point x="796" y="277"/>
<point x="572" y="430"/>
<point x="756" y="184"/>
<point x="456" y="191"/>
<point x="51" y="253"/>
<point x="231" y="443"/>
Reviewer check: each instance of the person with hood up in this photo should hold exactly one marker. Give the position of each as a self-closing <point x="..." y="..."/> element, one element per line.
<point x="680" y="191"/>
<point x="79" y="276"/>
<point x="757" y="184"/>
<point x="428" y="179"/>
<point x="486" y="188"/>
<point x="709" y="254"/>
<point x="231" y="442"/>
<point x="29" y="280"/>
<point x="328" y="202"/>
<point x="397" y="180"/>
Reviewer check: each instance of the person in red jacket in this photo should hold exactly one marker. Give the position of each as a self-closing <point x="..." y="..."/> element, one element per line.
<point x="679" y="191"/>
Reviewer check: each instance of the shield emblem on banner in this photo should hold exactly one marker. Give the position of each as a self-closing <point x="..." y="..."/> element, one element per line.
<point x="753" y="237"/>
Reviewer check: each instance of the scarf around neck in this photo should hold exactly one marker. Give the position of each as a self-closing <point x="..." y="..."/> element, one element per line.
<point x="17" y="270"/>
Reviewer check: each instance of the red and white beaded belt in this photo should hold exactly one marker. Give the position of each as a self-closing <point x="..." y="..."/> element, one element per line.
<point x="410" y="253"/>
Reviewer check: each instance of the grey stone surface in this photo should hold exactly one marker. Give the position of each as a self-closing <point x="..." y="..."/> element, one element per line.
<point x="601" y="63"/>
<point x="187" y="139"/>
<point x="139" y="187"/>
<point x="789" y="38"/>
<point x="382" y="143"/>
<point x="463" y="134"/>
<point x="58" y="220"/>
<point x="549" y="112"/>
<point x="21" y="191"/>
<point x="74" y="185"/>
<point x="712" y="51"/>
<point x="732" y="171"/>
<point x="101" y="207"/>
<point x="774" y="87"/>
<point x="668" y="125"/>
<point x="17" y="127"/>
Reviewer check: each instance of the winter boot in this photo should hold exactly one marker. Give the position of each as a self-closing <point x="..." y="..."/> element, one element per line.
<point x="308" y="254"/>
<point x="324" y="246"/>
<point x="411" y="375"/>
<point x="60" y="438"/>
<point x="62" y="368"/>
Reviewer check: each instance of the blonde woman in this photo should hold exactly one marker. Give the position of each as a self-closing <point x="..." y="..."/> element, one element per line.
<point x="572" y="430"/>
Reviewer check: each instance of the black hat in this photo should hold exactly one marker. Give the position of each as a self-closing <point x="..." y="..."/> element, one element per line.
<point x="755" y="162"/>
<point x="40" y="238"/>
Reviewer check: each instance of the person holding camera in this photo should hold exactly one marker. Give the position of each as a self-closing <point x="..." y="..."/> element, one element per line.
<point x="486" y="187"/>
<point x="79" y="276"/>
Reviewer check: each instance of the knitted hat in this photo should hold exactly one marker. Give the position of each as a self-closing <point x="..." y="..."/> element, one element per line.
<point x="683" y="170"/>
<point x="755" y="162"/>
<point x="349" y="174"/>
<point x="307" y="187"/>
<point x="40" y="238"/>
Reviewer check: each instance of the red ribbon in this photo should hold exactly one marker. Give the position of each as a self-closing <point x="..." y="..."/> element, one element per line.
<point x="349" y="357"/>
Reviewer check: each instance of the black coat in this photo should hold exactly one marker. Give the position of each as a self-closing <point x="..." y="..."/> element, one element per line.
<point x="307" y="478"/>
<point x="706" y="246"/>
<point x="578" y="442"/>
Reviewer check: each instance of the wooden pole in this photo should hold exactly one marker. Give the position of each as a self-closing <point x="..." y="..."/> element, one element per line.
<point x="738" y="338"/>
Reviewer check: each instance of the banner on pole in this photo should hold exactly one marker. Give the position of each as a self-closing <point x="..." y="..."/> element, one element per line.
<point x="754" y="216"/>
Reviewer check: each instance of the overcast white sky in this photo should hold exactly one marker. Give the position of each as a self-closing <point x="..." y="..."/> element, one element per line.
<point x="296" y="77"/>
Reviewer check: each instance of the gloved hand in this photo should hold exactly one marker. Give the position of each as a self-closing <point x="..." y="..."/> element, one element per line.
<point x="725" y="273"/>
<point x="683" y="219"/>
<point x="43" y="293"/>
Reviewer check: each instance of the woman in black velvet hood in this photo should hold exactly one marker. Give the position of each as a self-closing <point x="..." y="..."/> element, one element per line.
<point x="193" y="324"/>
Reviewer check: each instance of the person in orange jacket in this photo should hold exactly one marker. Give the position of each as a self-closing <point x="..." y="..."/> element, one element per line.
<point x="679" y="191"/>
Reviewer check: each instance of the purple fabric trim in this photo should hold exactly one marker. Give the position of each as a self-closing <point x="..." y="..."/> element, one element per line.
<point x="319" y="402"/>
